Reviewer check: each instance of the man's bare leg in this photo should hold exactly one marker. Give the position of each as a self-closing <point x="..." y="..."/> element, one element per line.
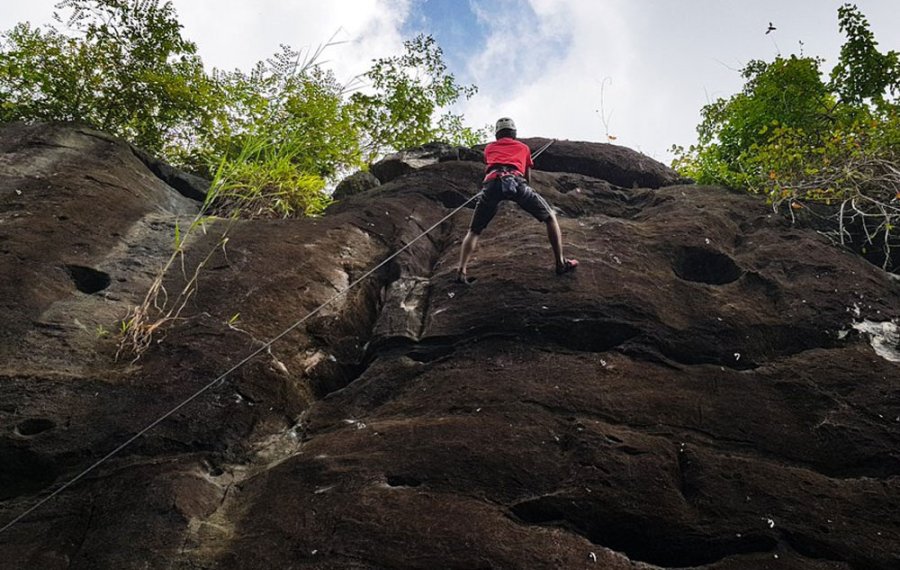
<point x="468" y="246"/>
<point x="554" y="234"/>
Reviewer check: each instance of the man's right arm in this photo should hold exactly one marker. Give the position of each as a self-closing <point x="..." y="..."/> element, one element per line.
<point x="528" y="164"/>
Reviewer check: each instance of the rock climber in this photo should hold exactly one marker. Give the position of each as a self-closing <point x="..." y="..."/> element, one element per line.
<point x="508" y="177"/>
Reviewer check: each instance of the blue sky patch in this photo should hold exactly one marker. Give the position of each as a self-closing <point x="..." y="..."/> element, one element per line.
<point x="454" y="25"/>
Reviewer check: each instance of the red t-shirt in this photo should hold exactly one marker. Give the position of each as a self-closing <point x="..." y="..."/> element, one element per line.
<point x="510" y="152"/>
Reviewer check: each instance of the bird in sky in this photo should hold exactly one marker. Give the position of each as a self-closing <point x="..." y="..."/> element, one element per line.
<point x="771" y="28"/>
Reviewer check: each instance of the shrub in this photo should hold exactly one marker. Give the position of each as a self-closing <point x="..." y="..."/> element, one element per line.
<point x="801" y="140"/>
<point x="264" y="181"/>
<point x="122" y="66"/>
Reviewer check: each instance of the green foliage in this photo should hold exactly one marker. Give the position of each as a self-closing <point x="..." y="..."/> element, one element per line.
<point x="288" y="98"/>
<point x="125" y="70"/>
<point x="793" y="136"/>
<point x="408" y="92"/>
<point x="280" y="133"/>
<point x="787" y="91"/>
<point x="863" y="73"/>
<point x="263" y="181"/>
<point x="289" y="126"/>
<point x="800" y="140"/>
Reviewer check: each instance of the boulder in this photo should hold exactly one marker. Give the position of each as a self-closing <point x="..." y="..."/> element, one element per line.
<point x="615" y="164"/>
<point x="185" y="183"/>
<point x="405" y="161"/>
<point x="84" y="224"/>
<point x="356" y="183"/>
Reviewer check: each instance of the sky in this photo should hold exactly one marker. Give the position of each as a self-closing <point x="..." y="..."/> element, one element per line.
<point x="636" y="70"/>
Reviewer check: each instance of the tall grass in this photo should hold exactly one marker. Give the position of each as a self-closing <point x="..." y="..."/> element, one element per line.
<point x="261" y="181"/>
<point x="264" y="182"/>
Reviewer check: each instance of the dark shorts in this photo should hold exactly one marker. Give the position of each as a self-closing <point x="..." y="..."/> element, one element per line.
<point x="513" y="188"/>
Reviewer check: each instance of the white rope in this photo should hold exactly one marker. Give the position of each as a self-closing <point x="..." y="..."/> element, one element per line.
<point x="246" y="359"/>
<point x="225" y="374"/>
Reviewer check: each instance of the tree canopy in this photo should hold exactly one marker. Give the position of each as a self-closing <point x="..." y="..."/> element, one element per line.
<point x="124" y="67"/>
<point x="804" y="139"/>
<point x="793" y="133"/>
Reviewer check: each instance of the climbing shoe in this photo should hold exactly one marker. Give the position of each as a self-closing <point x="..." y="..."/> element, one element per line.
<point x="463" y="279"/>
<point x="566" y="266"/>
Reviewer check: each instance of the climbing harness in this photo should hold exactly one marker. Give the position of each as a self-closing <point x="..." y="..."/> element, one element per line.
<point x="265" y="347"/>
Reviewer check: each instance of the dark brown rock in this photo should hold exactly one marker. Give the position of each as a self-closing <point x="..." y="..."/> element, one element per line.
<point x="357" y="183"/>
<point x="694" y="395"/>
<point x="83" y="225"/>
<point x="185" y="183"/>
<point x="405" y="161"/>
<point x="615" y="164"/>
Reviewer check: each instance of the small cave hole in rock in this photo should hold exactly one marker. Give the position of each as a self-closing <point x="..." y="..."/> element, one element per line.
<point x="87" y="279"/>
<point x="642" y="540"/>
<point x="402" y="481"/>
<point x="35" y="426"/>
<point x="23" y="472"/>
<point x="452" y="199"/>
<point x="705" y="266"/>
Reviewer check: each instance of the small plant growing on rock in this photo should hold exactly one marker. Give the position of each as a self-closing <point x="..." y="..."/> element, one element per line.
<point x="263" y="181"/>
<point x="272" y="138"/>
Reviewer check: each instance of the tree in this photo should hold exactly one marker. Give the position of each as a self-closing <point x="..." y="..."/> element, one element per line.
<point x="863" y="73"/>
<point x="288" y="98"/>
<point x="278" y="134"/>
<point x="788" y="121"/>
<point x="800" y="139"/>
<point x="126" y="70"/>
<point x="408" y="92"/>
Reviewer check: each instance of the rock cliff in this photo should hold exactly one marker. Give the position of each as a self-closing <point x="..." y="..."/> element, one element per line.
<point x="713" y="387"/>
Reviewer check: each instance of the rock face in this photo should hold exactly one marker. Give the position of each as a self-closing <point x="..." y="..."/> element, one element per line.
<point x="186" y="184"/>
<point x="702" y="392"/>
<point x="84" y="226"/>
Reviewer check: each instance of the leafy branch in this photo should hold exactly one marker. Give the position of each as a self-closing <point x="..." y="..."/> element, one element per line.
<point x="803" y="141"/>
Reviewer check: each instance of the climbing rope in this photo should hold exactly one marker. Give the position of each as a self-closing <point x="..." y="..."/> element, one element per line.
<point x="246" y="359"/>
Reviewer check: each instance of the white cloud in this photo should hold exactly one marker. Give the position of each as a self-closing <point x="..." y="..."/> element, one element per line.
<point x="571" y="47"/>
<point x="35" y="11"/>
<point x="236" y="33"/>
<point x="664" y="60"/>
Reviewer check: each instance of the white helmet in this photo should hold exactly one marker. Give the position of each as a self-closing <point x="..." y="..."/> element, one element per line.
<point x="504" y="123"/>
